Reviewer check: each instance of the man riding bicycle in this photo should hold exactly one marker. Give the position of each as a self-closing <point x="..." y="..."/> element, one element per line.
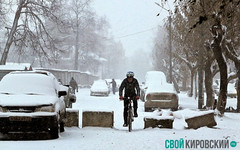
<point x="131" y="86"/>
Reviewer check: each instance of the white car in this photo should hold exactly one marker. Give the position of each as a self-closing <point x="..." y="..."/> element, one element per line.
<point x="31" y="103"/>
<point x="231" y="90"/>
<point x="99" y="88"/>
<point x="157" y="93"/>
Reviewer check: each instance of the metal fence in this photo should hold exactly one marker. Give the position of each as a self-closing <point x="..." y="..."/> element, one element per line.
<point x="83" y="79"/>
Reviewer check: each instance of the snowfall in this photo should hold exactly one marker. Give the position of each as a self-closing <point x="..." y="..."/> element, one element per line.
<point x="118" y="137"/>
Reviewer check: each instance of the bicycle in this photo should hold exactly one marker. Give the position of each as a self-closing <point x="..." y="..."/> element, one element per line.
<point x="130" y="114"/>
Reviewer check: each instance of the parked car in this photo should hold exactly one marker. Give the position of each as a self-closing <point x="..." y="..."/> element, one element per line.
<point x="157" y="93"/>
<point x="99" y="88"/>
<point x="31" y="102"/>
<point x="231" y="90"/>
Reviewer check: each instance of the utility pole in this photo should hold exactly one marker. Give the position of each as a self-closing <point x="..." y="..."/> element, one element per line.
<point x="170" y="48"/>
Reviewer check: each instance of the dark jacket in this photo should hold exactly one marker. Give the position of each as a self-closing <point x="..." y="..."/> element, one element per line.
<point x="131" y="89"/>
<point x="73" y="84"/>
<point x="114" y="84"/>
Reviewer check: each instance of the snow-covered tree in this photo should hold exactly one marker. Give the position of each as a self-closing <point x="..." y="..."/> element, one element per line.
<point x="28" y="29"/>
<point x="217" y="16"/>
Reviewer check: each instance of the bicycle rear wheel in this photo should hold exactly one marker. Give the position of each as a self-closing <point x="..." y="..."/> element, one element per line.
<point x="130" y="117"/>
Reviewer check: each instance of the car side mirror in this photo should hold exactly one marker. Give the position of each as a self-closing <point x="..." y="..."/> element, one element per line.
<point x="62" y="93"/>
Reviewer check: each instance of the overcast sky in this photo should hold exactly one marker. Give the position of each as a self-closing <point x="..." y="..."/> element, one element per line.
<point x="133" y="22"/>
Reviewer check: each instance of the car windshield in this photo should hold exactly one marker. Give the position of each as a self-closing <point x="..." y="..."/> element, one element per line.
<point x="30" y="84"/>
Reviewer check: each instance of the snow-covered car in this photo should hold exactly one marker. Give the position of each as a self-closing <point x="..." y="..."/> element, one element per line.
<point x="231" y="90"/>
<point x="157" y="93"/>
<point x="31" y="103"/>
<point x="99" y="88"/>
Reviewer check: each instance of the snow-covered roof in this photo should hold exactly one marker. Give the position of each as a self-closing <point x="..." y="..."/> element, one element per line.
<point x="53" y="69"/>
<point x="15" y="66"/>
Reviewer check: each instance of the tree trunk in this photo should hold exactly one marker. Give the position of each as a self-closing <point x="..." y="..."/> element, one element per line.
<point x="76" y="54"/>
<point x="217" y="33"/>
<point x="185" y="78"/>
<point x="238" y="95"/>
<point x="195" y="86"/>
<point x="11" y="34"/>
<point x="200" y="83"/>
<point x="218" y="53"/>
<point x="176" y="85"/>
<point x="237" y="65"/>
<point x="208" y="85"/>
<point x="191" y="90"/>
<point x="76" y="48"/>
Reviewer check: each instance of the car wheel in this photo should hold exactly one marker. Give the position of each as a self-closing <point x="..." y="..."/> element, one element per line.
<point x="70" y="105"/>
<point x="147" y="109"/>
<point x="174" y="109"/>
<point x="54" y="132"/>
<point x="62" y="127"/>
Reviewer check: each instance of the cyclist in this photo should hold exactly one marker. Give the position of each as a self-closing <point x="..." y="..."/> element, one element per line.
<point x="131" y="89"/>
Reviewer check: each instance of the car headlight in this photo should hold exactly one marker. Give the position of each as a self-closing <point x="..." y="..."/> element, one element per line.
<point x="46" y="109"/>
<point x="2" y="109"/>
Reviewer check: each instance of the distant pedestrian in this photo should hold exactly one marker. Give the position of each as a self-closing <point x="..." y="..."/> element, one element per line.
<point x="74" y="85"/>
<point x="114" y="84"/>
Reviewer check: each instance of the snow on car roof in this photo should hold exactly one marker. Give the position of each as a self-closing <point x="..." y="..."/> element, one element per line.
<point x="155" y="76"/>
<point x="99" y="82"/>
<point x="156" y="82"/>
<point x="22" y="83"/>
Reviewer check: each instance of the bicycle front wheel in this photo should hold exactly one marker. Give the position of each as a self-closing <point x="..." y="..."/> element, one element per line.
<point x="130" y="117"/>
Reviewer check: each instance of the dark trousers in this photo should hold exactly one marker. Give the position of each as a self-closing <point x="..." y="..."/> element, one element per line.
<point x="113" y="90"/>
<point x="125" y="112"/>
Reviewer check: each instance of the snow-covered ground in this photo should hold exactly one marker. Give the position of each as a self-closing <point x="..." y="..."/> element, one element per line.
<point x="118" y="138"/>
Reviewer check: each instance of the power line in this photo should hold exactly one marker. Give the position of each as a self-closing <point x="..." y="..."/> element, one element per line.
<point x="136" y="33"/>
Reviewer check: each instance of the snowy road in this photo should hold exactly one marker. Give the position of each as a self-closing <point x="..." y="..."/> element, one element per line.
<point x="91" y="138"/>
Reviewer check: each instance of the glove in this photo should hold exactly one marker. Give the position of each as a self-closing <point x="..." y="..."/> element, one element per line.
<point x="120" y="97"/>
<point x="137" y="97"/>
